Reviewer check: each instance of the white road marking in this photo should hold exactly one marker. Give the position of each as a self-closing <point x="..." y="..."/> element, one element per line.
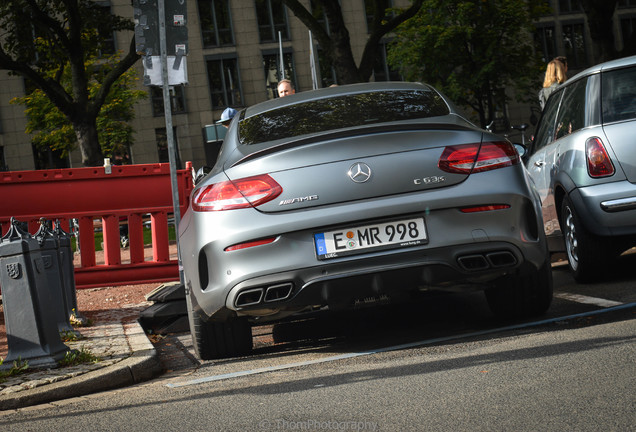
<point x="394" y="347"/>
<point x="587" y="300"/>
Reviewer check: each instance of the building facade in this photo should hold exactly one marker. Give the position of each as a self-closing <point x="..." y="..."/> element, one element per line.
<point x="233" y="59"/>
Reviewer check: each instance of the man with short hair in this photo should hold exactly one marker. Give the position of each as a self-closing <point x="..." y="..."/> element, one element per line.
<point x="285" y="88"/>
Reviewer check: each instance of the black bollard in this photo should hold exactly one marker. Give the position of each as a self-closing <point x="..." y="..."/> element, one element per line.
<point x="32" y="333"/>
<point x="68" y="274"/>
<point x="50" y="247"/>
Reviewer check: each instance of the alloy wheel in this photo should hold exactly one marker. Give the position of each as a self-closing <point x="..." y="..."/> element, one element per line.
<point x="571" y="243"/>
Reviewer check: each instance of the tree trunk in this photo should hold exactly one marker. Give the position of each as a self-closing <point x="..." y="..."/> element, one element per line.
<point x="86" y="132"/>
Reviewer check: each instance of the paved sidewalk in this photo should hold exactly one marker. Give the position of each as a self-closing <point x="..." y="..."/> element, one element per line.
<point x="126" y="357"/>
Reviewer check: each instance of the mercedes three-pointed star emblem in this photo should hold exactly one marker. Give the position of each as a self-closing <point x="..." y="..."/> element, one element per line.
<point x="359" y="172"/>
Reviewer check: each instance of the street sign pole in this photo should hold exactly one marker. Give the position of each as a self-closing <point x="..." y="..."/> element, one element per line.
<point x="167" y="107"/>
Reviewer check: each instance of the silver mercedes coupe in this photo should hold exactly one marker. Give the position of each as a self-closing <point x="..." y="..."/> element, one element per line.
<point x="351" y="196"/>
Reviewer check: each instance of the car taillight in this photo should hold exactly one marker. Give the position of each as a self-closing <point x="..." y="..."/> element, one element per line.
<point x="236" y="194"/>
<point x="598" y="161"/>
<point x="473" y="158"/>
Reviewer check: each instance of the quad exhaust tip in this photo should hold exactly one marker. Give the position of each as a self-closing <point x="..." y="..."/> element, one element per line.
<point x="478" y="262"/>
<point x="268" y="294"/>
<point x="250" y="297"/>
<point x="278" y="292"/>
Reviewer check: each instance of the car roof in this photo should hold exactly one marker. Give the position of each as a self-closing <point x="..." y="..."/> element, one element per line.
<point x="612" y="64"/>
<point x="328" y="92"/>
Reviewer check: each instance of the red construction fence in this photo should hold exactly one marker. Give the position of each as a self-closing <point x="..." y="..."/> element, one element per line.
<point x="130" y="194"/>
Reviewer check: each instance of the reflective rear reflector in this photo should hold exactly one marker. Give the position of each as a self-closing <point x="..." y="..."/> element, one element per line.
<point x="249" y="244"/>
<point x="484" y="208"/>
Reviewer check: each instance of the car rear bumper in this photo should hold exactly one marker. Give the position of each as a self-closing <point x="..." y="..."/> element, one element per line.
<point x="387" y="277"/>
<point x="607" y="209"/>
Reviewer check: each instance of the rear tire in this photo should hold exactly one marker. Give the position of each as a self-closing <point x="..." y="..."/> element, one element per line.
<point x="585" y="251"/>
<point x="218" y="339"/>
<point x="525" y="293"/>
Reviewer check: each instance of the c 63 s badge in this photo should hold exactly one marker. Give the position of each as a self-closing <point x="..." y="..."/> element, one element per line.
<point x="429" y="180"/>
<point x="298" y="200"/>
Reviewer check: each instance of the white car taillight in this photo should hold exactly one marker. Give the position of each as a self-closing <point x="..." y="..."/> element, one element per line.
<point x="236" y="194"/>
<point x="598" y="161"/>
<point x="474" y="158"/>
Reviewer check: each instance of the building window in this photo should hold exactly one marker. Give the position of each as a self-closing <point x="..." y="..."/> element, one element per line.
<point x="328" y="75"/>
<point x="369" y="7"/>
<point x="319" y="14"/>
<point x="271" y="66"/>
<point x="177" y="100"/>
<point x="108" y="45"/>
<point x="162" y="146"/>
<point x="574" y="45"/>
<point x="46" y="158"/>
<point x="381" y="69"/>
<point x="569" y="6"/>
<point x="216" y="23"/>
<point x="546" y="42"/>
<point x="628" y="33"/>
<point x="272" y="19"/>
<point x="3" y="162"/>
<point x="224" y="81"/>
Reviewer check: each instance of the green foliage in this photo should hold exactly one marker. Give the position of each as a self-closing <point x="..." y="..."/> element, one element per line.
<point x="19" y="366"/>
<point x="38" y="32"/>
<point x="68" y="336"/>
<point x="78" y="320"/>
<point x="54" y="45"/>
<point x="472" y="51"/>
<point x="147" y="235"/>
<point x="75" y="357"/>
<point x="51" y="128"/>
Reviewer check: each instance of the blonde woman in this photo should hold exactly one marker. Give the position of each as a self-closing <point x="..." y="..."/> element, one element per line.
<point x="554" y="75"/>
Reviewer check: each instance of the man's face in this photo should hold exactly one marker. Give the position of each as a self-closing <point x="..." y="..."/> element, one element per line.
<point x="285" y="89"/>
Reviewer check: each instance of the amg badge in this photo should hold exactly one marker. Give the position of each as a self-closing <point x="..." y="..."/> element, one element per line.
<point x="298" y="200"/>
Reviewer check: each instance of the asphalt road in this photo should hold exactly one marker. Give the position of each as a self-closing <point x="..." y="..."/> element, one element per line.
<point x="439" y="364"/>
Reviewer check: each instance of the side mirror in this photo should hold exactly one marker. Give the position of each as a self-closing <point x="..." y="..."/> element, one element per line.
<point x="521" y="150"/>
<point x="201" y="172"/>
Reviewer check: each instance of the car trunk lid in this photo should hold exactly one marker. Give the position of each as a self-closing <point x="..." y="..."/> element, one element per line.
<point x="356" y="167"/>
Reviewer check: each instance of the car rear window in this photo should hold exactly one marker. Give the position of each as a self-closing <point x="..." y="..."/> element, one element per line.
<point x="619" y="95"/>
<point x="340" y="112"/>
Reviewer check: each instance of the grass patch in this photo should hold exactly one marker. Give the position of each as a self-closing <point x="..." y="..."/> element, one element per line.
<point x="78" y="320"/>
<point x="19" y="366"/>
<point x="81" y="356"/>
<point x="68" y="336"/>
<point x="147" y="233"/>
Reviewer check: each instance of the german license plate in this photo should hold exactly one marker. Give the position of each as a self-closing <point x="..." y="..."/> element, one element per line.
<point x="372" y="237"/>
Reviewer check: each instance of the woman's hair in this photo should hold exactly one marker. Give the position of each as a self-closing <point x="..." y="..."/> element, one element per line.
<point x="554" y="73"/>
